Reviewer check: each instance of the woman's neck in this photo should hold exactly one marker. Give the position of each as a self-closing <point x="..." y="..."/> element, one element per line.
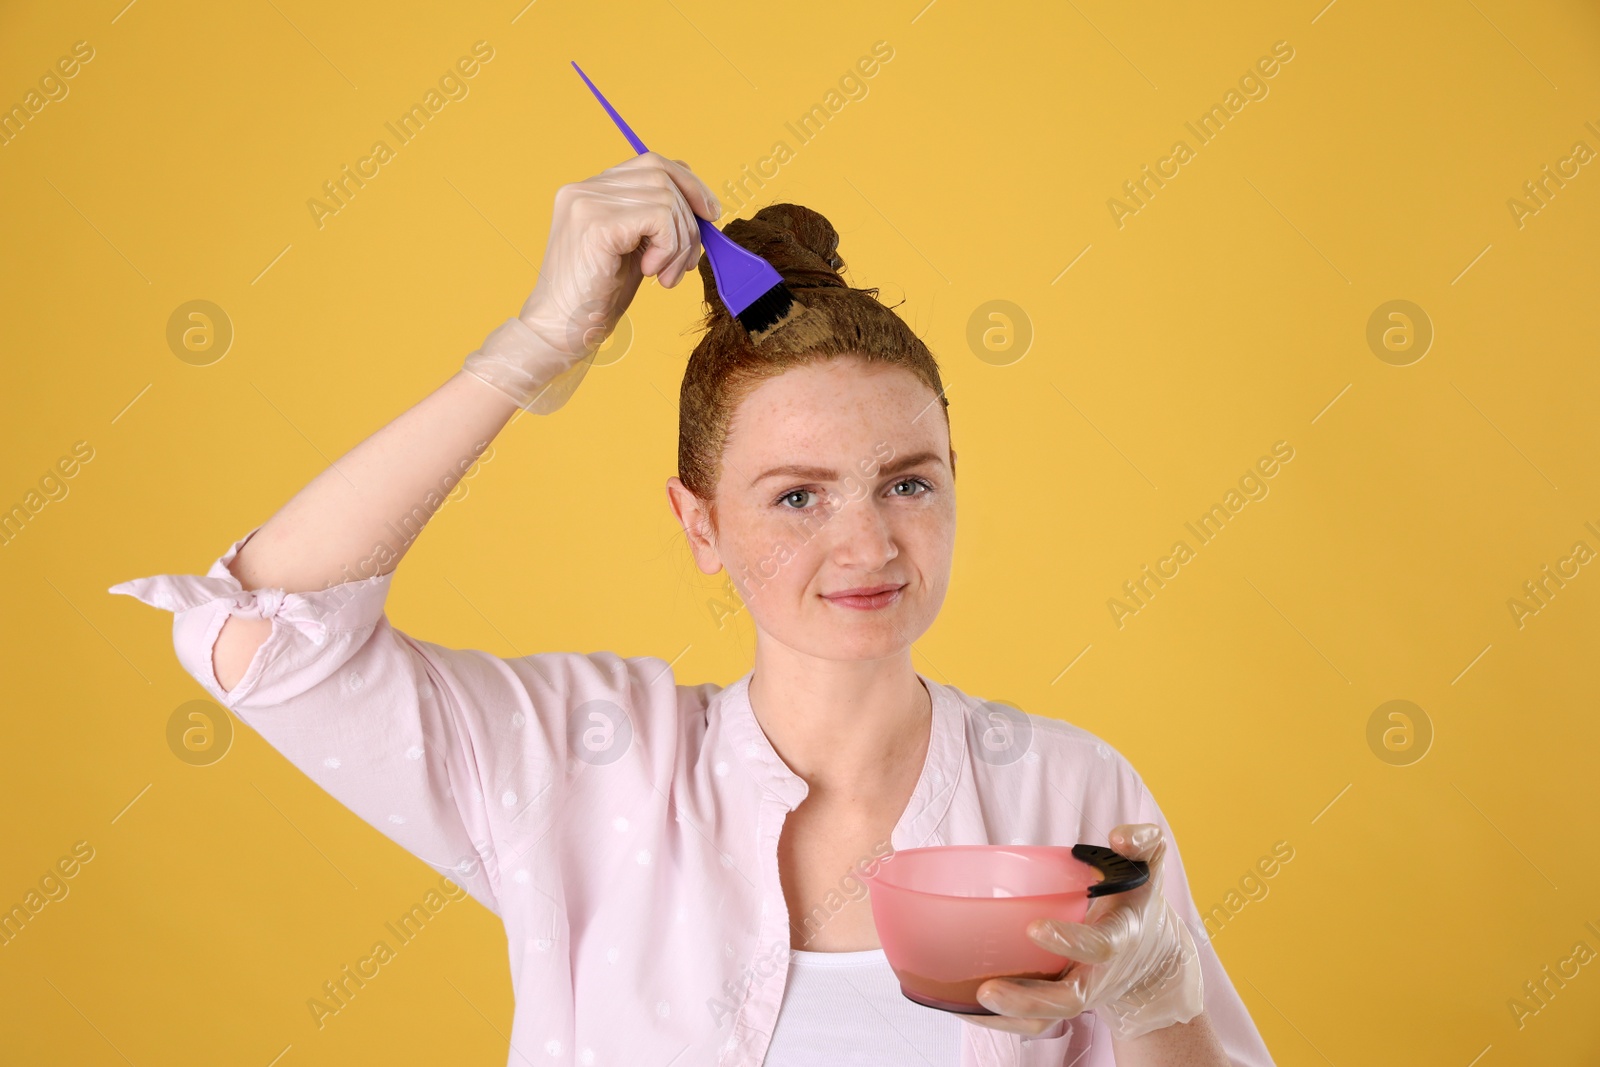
<point x="848" y="728"/>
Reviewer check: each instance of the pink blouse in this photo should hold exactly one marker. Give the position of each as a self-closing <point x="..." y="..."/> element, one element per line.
<point x="625" y="827"/>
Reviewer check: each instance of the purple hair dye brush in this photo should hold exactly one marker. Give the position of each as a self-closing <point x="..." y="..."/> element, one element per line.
<point x="752" y="288"/>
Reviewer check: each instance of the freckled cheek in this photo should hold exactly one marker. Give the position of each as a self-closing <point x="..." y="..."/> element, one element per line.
<point x="929" y="537"/>
<point x="769" y="546"/>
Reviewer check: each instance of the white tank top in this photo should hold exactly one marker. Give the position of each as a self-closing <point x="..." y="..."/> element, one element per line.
<point x="845" y="1008"/>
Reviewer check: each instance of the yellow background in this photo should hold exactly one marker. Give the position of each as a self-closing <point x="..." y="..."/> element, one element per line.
<point x="1228" y="314"/>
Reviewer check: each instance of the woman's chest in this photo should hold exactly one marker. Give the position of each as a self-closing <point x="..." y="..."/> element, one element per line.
<point x="691" y="896"/>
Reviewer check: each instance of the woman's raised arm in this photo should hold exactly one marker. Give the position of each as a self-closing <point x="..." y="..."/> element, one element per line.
<point x="358" y="518"/>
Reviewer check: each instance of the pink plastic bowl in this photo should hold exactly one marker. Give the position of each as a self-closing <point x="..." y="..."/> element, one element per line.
<point x="953" y="916"/>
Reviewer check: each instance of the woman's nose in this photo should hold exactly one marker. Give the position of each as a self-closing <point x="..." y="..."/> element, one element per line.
<point x="860" y="535"/>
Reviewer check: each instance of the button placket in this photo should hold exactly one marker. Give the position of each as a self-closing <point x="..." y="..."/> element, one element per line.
<point x="759" y="1014"/>
<point x="782" y="792"/>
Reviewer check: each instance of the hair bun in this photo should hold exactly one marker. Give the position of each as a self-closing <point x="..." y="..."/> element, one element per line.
<point x="801" y="245"/>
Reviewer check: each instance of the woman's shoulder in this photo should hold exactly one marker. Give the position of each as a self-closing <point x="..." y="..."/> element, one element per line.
<point x="1000" y="732"/>
<point x="634" y="694"/>
<point x="598" y="674"/>
<point x="1043" y="778"/>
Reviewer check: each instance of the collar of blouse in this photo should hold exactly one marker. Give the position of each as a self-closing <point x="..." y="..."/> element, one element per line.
<point x="936" y="786"/>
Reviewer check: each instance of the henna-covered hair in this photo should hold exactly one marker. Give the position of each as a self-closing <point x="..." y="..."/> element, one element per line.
<point x="838" y="320"/>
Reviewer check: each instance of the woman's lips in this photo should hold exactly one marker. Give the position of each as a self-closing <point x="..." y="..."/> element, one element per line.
<point x="866" y="601"/>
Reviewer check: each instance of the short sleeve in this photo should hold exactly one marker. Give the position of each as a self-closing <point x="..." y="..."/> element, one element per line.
<point x="1228" y="1015"/>
<point x="456" y="755"/>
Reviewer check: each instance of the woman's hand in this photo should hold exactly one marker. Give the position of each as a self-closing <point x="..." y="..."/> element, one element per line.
<point x="1134" y="960"/>
<point x="607" y="234"/>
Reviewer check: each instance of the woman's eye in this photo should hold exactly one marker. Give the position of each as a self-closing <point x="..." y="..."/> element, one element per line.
<point x="801" y="493"/>
<point x="915" y="483"/>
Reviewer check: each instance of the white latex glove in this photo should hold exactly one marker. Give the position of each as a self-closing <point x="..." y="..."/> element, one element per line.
<point x="1134" y="961"/>
<point x="607" y="234"/>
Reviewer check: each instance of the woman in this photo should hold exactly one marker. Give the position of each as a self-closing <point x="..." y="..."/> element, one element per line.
<point x="677" y="865"/>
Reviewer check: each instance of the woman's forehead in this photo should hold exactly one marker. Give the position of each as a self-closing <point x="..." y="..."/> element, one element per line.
<point x="840" y="402"/>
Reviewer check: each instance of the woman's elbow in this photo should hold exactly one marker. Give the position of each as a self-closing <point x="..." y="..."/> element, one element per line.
<point x="236" y="646"/>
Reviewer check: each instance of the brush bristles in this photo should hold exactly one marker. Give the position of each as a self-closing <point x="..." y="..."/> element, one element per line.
<point x="768" y="311"/>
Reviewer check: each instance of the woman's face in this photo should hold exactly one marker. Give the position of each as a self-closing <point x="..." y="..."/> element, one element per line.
<point x="836" y="476"/>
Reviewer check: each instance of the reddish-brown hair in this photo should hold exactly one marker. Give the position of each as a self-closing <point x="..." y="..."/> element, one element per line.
<point x="838" y="320"/>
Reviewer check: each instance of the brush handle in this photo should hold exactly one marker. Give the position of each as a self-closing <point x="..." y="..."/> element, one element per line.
<point x="741" y="275"/>
<point x="706" y="228"/>
<point x="633" y="138"/>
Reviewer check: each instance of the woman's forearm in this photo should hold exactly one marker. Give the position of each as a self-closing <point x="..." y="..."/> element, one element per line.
<point x="357" y="518"/>
<point x="1190" y="1044"/>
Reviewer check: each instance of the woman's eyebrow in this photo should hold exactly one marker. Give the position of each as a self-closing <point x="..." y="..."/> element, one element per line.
<point x="826" y="474"/>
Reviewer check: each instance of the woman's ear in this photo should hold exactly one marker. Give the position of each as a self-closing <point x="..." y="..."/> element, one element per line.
<point x="695" y="518"/>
